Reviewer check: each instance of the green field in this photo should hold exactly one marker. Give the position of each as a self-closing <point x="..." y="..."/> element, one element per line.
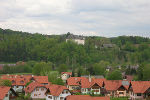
<point x="120" y="98"/>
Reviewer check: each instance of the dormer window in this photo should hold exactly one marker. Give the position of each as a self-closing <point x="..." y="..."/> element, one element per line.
<point x="21" y="82"/>
<point x="63" y="92"/>
<point x="13" y="81"/>
<point x="28" y="88"/>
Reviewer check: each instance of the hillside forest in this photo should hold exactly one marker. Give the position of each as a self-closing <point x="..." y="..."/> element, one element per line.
<point x="49" y="54"/>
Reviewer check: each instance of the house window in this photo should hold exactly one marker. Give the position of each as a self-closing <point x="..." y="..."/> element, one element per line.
<point x="63" y="92"/>
<point x="17" y="86"/>
<point x="50" y="97"/>
<point x="120" y="92"/>
<point x="37" y="89"/>
<point x="61" y="98"/>
<point x="21" y="82"/>
<point x="66" y="92"/>
<point x="35" y="94"/>
<point x="28" y="88"/>
<point x="42" y="89"/>
<point x="96" y="90"/>
<point x="13" y="81"/>
<point x="6" y="95"/>
<point x="139" y="94"/>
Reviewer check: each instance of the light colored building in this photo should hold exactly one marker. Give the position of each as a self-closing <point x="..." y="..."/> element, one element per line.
<point x="116" y="88"/>
<point x="77" y="39"/>
<point x="7" y="93"/>
<point x="57" y="92"/>
<point x="65" y="75"/>
<point x="36" y="90"/>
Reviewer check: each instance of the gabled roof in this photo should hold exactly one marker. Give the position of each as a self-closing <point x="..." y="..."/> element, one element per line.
<point x="69" y="73"/>
<point x="85" y="83"/>
<point x="56" y="90"/>
<point x="3" y="91"/>
<point x="23" y="79"/>
<point x="112" y="85"/>
<point x="85" y="97"/>
<point x="140" y="86"/>
<point x="74" y="80"/>
<point x="41" y="79"/>
<point x="32" y="86"/>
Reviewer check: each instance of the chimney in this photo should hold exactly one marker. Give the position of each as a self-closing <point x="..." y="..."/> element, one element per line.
<point x="89" y="78"/>
<point x="15" y="76"/>
<point x="75" y="78"/>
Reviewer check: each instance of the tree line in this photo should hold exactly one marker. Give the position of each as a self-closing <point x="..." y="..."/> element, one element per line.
<point x="91" y="58"/>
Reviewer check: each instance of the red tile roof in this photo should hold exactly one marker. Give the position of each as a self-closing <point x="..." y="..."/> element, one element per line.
<point x="140" y="86"/>
<point x="3" y="91"/>
<point x="69" y="73"/>
<point x="23" y="79"/>
<point x="112" y="85"/>
<point x="41" y="79"/>
<point x="74" y="80"/>
<point x="85" y="97"/>
<point x="32" y="86"/>
<point x="56" y="90"/>
<point x="84" y="82"/>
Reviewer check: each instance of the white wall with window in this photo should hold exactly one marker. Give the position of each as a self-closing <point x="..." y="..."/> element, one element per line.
<point x="62" y="96"/>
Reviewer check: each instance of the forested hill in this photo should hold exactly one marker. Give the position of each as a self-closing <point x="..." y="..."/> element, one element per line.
<point x="22" y="46"/>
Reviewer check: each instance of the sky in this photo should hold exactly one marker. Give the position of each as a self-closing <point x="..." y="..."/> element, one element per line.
<point x="109" y="18"/>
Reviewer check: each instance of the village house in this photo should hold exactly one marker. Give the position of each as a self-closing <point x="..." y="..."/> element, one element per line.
<point x="77" y="39"/>
<point x="108" y="68"/>
<point x="89" y="85"/>
<point x="116" y="88"/>
<point x="7" y="93"/>
<point x="36" y="90"/>
<point x="65" y="75"/>
<point x="85" y="97"/>
<point x="74" y="84"/>
<point x="57" y="92"/>
<point x="139" y="90"/>
<point x="19" y="81"/>
<point x="85" y="85"/>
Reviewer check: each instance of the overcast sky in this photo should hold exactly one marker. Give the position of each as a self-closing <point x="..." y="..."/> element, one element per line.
<point x="85" y="17"/>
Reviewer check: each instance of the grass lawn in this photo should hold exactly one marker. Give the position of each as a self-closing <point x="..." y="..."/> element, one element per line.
<point x="120" y="98"/>
<point x="17" y="74"/>
<point x="7" y="63"/>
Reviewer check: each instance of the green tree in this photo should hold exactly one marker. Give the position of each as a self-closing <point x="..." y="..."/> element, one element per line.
<point x="5" y="83"/>
<point x="42" y="68"/>
<point x="99" y="68"/>
<point x="62" y="68"/>
<point x="115" y="75"/>
<point x="146" y="72"/>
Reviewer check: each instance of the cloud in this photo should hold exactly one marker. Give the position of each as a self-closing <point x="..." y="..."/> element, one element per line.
<point x="86" y="17"/>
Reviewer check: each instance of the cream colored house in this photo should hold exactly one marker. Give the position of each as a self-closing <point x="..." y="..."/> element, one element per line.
<point x="75" y="38"/>
<point x="65" y="75"/>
